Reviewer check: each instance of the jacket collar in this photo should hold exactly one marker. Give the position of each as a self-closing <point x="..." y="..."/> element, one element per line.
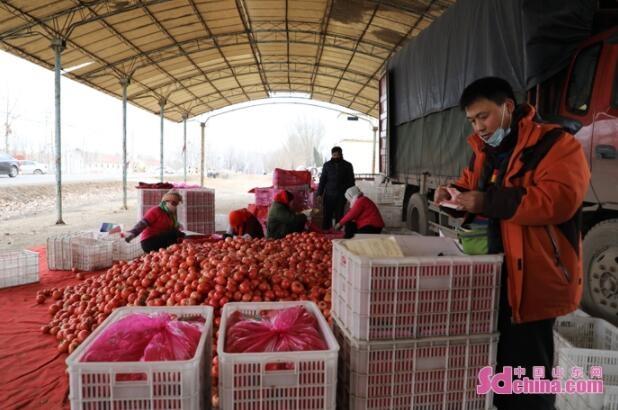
<point x="523" y="124"/>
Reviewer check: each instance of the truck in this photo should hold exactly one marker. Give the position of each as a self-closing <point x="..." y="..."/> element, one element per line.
<point x="561" y="57"/>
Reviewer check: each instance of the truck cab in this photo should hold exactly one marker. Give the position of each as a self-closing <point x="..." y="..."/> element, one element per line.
<point x="589" y="99"/>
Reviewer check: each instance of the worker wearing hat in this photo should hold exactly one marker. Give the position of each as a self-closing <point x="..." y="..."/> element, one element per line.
<point x="159" y="228"/>
<point x="244" y="223"/>
<point x="282" y="219"/>
<point x="363" y="216"/>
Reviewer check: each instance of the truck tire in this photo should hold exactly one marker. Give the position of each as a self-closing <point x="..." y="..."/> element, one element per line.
<point x="417" y="214"/>
<point x="600" y="296"/>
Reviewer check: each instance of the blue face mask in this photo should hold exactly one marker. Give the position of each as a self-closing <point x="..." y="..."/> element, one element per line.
<point x="498" y="136"/>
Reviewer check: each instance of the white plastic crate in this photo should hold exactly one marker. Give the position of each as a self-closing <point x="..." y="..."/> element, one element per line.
<point x="438" y="373"/>
<point x="123" y="251"/>
<point x="180" y="384"/>
<point x="585" y="342"/>
<point x="383" y="193"/>
<point x="391" y="214"/>
<point x="18" y="268"/>
<point x="245" y="384"/>
<point x="59" y="251"/>
<point x="89" y="254"/>
<point x="420" y="295"/>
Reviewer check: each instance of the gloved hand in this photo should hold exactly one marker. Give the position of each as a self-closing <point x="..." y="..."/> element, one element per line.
<point x="246" y="236"/>
<point x="128" y="237"/>
<point x="337" y="226"/>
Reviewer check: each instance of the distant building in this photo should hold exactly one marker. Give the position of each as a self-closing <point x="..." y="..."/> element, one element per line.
<point x="358" y="152"/>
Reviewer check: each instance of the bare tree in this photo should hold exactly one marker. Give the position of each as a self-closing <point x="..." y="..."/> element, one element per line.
<point x="9" y="118"/>
<point x="304" y="137"/>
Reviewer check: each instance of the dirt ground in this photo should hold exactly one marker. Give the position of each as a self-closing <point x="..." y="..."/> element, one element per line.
<point x="28" y="213"/>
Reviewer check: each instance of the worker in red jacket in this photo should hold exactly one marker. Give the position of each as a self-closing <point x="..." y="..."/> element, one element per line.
<point x="159" y="228"/>
<point x="363" y="216"/>
<point x="244" y="223"/>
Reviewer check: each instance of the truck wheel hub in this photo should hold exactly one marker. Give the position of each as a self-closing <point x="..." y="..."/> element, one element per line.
<point x="604" y="279"/>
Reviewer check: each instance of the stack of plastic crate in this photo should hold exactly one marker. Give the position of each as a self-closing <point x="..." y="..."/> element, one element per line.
<point x="59" y="249"/>
<point x="148" y="198"/>
<point x="91" y="253"/>
<point x="303" y="196"/>
<point x="123" y="250"/>
<point x="197" y="211"/>
<point x="587" y="350"/>
<point x="18" y="268"/>
<point x="283" y="178"/>
<point x="415" y="330"/>
<point x="388" y="198"/>
<point x="83" y="250"/>
<point x="175" y="384"/>
<point x="304" y="380"/>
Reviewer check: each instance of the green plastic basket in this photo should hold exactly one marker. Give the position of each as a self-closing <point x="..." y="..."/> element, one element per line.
<point x="473" y="239"/>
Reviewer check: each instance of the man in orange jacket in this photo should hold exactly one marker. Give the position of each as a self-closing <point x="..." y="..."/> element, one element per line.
<point x="528" y="180"/>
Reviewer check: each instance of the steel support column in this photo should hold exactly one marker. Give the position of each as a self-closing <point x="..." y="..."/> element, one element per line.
<point x="58" y="45"/>
<point x="162" y="103"/>
<point x="184" y="145"/>
<point x="373" y="157"/>
<point x="203" y="126"/>
<point x="124" y="82"/>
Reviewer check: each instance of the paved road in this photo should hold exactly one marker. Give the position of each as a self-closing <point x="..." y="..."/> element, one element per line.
<point x="50" y="179"/>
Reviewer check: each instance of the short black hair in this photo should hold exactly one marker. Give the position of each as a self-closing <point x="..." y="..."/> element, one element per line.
<point x="336" y="149"/>
<point x="495" y="89"/>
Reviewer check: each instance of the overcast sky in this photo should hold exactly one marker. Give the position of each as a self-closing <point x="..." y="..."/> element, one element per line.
<point x="93" y="121"/>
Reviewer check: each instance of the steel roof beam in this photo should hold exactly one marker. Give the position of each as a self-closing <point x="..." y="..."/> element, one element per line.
<point x="117" y="73"/>
<point x="249" y="68"/>
<point x="246" y="22"/>
<point x="323" y="30"/>
<point x="236" y="36"/>
<point x="182" y="50"/>
<point x="41" y="21"/>
<point x="395" y="48"/>
<point x="235" y="92"/>
<point x="360" y="38"/>
<point x="207" y="28"/>
<point x="137" y="50"/>
<point x="287" y="34"/>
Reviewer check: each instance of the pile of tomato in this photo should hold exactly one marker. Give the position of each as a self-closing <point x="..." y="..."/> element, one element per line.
<point x="297" y="267"/>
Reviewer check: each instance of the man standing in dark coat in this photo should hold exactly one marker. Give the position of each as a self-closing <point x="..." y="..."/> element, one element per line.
<point x="337" y="177"/>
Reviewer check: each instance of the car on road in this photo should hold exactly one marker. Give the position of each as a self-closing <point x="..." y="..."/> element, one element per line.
<point x="166" y="170"/>
<point x="8" y="165"/>
<point x="32" y="167"/>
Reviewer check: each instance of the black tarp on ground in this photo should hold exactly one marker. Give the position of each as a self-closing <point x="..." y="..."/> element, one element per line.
<point x="523" y="41"/>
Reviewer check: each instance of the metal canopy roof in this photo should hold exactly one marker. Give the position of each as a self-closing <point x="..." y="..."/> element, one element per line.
<point x="201" y="55"/>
